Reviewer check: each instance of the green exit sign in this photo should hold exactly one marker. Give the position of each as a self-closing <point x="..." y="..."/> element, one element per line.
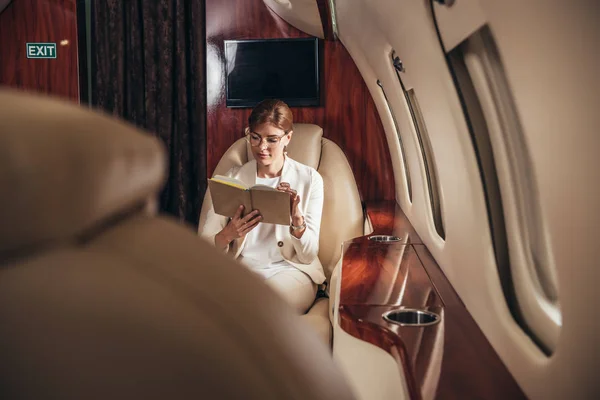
<point x="41" y="50"/>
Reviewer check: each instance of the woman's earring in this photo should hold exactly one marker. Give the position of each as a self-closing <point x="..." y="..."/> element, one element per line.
<point x="285" y="150"/>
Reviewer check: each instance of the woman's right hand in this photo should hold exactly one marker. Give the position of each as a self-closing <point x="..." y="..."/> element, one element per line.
<point x="238" y="227"/>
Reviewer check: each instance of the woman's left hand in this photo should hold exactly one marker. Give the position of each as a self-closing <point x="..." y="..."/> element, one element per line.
<point x="294" y="199"/>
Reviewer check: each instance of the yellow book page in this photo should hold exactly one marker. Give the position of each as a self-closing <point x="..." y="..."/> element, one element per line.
<point x="229" y="182"/>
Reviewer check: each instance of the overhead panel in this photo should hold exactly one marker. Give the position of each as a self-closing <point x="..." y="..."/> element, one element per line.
<point x="301" y="14"/>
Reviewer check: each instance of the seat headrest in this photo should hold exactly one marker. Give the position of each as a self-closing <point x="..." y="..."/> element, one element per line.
<point x="305" y="146"/>
<point x="64" y="169"/>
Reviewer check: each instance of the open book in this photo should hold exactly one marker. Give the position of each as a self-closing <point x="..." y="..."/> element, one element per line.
<point x="228" y="193"/>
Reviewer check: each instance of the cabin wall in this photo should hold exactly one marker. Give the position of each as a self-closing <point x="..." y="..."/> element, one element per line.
<point x="348" y="115"/>
<point x="30" y="21"/>
<point x="533" y="232"/>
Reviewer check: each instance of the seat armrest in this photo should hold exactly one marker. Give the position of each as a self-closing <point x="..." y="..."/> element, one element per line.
<point x="318" y="319"/>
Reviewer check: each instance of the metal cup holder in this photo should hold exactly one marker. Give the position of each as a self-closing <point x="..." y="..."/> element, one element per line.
<point x="411" y="317"/>
<point x="384" y="238"/>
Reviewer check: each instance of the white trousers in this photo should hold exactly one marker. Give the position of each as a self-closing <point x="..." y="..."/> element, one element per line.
<point x="295" y="287"/>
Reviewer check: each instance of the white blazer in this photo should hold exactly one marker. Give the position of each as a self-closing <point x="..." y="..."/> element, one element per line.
<point x="301" y="253"/>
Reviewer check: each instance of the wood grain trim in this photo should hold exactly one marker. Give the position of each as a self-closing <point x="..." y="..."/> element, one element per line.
<point x="388" y="219"/>
<point x="437" y="277"/>
<point x="385" y="274"/>
<point x="448" y="360"/>
<point x="325" y="14"/>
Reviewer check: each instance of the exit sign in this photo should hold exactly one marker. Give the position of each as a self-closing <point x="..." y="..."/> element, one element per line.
<point x="41" y="50"/>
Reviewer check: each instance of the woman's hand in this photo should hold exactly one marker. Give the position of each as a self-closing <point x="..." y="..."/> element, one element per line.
<point x="294" y="199"/>
<point x="237" y="227"/>
<point x="297" y="217"/>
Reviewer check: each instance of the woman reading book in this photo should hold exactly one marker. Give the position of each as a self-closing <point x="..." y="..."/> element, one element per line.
<point x="284" y="255"/>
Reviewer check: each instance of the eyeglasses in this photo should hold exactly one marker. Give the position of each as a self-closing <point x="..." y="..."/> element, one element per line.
<point x="255" y="139"/>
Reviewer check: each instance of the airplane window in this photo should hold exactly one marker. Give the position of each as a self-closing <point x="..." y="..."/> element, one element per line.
<point x="523" y="256"/>
<point x="402" y="152"/>
<point x="489" y="177"/>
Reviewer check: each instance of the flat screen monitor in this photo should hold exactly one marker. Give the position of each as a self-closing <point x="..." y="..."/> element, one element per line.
<point x="285" y="69"/>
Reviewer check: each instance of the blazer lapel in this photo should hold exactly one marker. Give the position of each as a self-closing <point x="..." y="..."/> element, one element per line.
<point x="288" y="174"/>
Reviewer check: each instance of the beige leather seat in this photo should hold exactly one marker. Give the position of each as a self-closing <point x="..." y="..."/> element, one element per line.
<point x="100" y="298"/>
<point x="342" y="210"/>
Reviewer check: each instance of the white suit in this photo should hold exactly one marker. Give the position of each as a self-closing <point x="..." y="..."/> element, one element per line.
<point x="301" y="253"/>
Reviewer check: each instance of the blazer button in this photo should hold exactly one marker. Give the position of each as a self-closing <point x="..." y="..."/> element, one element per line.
<point x="280" y="243"/>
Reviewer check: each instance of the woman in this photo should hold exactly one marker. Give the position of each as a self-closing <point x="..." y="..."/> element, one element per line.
<point x="285" y="256"/>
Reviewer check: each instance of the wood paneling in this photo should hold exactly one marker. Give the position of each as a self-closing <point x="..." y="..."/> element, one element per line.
<point x="388" y="218"/>
<point x="449" y="360"/>
<point x="348" y="115"/>
<point x="26" y="21"/>
<point x="384" y="274"/>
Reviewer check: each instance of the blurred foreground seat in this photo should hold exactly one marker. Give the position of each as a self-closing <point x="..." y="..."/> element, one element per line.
<point x="102" y="299"/>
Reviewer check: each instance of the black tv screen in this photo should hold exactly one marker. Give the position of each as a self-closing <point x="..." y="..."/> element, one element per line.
<point x="285" y="69"/>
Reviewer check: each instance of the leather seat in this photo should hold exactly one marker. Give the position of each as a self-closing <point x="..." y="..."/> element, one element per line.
<point x="343" y="217"/>
<point x="101" y="298"/>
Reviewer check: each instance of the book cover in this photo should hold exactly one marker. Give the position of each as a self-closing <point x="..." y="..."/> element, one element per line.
<point x="228" y="193"/>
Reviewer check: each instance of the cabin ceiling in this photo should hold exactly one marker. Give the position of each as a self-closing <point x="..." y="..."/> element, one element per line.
<point x="301" y="14"/>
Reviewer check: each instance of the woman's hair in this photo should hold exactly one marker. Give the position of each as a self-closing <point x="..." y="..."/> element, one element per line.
<point x="274" y="112"/>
